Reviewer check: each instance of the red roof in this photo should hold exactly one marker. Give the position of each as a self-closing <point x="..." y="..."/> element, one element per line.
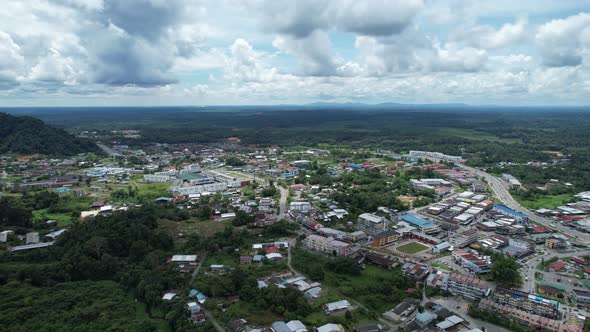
<point x="539" y="229"/>
<point x="557" y="266"/>
<point x="572" y="218"/>
<point x="587" y="270"/>
<point x="578" y="260"/>
<point x="271" y="250"/>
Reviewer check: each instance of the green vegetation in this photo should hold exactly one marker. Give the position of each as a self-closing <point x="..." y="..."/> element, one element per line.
<point x="532" y="200"/>
<point x="70" y="306"/>
<point x="28" y="135"/>
<point x="376" y="288"/>
<point x="505" y="271"/>
<point x="545" y="263"/>
<point x="412" y="248"/>
<point x="87" y="260"/>
<point x="234" y="161"/>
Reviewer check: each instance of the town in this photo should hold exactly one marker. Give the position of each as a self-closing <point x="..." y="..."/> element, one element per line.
<point x="332" y="239"/>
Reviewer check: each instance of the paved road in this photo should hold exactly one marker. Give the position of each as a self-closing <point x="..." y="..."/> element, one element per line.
<point x="207" y="313"/>
<point x="500" y="189"/>
<point x="108" y="151"/>
<point x="196" y="271"/>
<point x="282" y="202"/>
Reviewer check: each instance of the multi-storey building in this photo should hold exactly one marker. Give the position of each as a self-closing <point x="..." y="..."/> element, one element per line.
<point x="463" y="238"/>
<point x="371" y="224"/>
<point x="327" y="245"/>
<point x="527" y="302"/>
<point x="385" y="238"/>
<point x="471" y="260"/>
<point x="468" y="286"/>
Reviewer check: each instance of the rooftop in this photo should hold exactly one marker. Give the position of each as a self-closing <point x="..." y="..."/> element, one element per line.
<point x="415" y="220"/>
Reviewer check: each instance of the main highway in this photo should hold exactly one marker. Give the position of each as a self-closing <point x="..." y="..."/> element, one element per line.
<point x="500" y="189"/>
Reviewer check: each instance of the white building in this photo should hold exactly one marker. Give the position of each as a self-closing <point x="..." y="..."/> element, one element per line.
<point x="371" y="223"/>
<point x="336" y="306"/>
<point x="303" y="207"/>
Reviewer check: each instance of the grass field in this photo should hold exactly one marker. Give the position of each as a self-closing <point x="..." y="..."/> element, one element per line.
<point x="476" y="135"/>
<point x="546" y="201"/>
<point x="63" y="219"/>
<point x="412" y="248"/>
<point x="203" y="228"/>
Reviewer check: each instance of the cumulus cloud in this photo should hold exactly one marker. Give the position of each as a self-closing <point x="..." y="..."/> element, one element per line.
<point x="11" y="58"/>
<point x="247" y="65"/>
<point x="367" y="17"/>
<point x="487" y="37"/>
<point x="293" y="51"/>
<point x="564" y="42"/>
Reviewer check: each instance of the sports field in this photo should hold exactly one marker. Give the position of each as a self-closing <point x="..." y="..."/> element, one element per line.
<point x="411" y="248"/>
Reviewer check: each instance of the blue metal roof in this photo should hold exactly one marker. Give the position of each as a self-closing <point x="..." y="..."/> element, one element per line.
<point x="415" y="220"/>
<point x="509" y="211"/>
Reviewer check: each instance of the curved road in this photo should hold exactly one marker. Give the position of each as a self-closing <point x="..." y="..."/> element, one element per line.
<point x="501" y="191"/>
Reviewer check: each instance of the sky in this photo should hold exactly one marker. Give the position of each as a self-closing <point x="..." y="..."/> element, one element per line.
<point x="266" y="52"/>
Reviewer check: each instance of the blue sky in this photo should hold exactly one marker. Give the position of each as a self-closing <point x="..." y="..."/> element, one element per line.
<point x="199" y="52"/>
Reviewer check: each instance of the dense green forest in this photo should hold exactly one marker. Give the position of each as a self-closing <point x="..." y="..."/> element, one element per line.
<point x="484" y="136"/>
<point x="28" y="135"/>
<point x="86" y="278"/>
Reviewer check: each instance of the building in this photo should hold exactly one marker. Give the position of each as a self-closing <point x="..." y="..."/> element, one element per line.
<point x="512" y="181"/>
<point x="385" y="238"/>
<point x="464" y="237"/>
<point x="441" y="247"/>
<point x="449" y="323"/>
<point x="331" y="327"/>
<point x="468" y="286"/>
<point x="530" y="303"/>
<point x="582" y="298"/>
<point x="435" y="155"/>
<point x="519" y="248"/>
<point x="327" y="245"/>
<point x="336" y="306"/>
<point x="302" y="207"/>
<point x="535" y="322"/>
<point x="519" y="217"/>
<point x="471" y="260"/>
<point x="296" y="326"/>
<point x="4" y="235"/>
<point x="371" y="224"/>
<point x="32" y="237"/>
<point x="421" y="224"/>
<point x="403" y="311"/>
<point x="415" y="271"/>
<point x="280" y="327"/>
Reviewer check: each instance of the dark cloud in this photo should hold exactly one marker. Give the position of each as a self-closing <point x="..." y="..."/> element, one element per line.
<point x="146" y="18"/>
<point x="123" y="60"/>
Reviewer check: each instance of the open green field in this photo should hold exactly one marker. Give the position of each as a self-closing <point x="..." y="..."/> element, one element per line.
<point x="412" y="248"/>
<point x="476" y="135"/>
<point x="187" y="227"/>
<point x="63" y="219"/>
<point x="546" y="201"/>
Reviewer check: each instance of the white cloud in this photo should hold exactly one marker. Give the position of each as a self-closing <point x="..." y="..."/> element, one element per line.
<point x="11" y="58"/>
<point x="565" y="42"/>
<point x="294" y="51"/>
<point x="487" y="37"/>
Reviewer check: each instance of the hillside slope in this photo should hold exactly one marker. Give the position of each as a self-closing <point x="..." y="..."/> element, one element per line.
<point x="27" y="135"/>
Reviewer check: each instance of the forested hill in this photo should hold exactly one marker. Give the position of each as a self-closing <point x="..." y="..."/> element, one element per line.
<point x="27" y="135"/>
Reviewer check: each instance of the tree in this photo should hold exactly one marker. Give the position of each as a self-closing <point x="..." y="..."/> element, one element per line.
<point x="204" y="212"/>
<point x="505" y="271"/>
<point x="234" y="161"/>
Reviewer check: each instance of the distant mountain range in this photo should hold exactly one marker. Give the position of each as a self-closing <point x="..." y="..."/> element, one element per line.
<point x="28" y="135"/>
